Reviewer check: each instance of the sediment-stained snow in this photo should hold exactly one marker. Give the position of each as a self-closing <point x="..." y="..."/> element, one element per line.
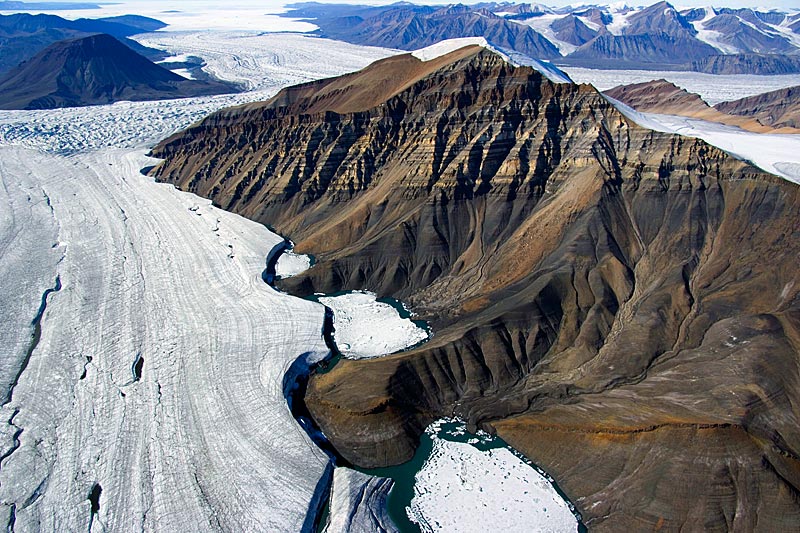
<point x="514" y="58"/>
<point x="195" y="437"/>
<point x="778" y="154"/>
<point x="291" y="264"/>
<point x="713" y="88"/>
<point x="462" y="488"/>
<point x="365" y="327"/>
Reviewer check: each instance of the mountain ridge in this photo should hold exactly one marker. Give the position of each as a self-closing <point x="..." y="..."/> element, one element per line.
<point x="656" y="36"/>
<point x="572" y="264"/>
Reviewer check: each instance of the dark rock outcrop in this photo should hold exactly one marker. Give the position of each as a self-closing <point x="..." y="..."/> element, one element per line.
<point x="573" y="30"/>
<point x="94" y="70"/>
<point x="622" y="305"/>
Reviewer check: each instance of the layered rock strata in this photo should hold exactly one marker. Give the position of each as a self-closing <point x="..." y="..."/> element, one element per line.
<point x="619" y="304"/>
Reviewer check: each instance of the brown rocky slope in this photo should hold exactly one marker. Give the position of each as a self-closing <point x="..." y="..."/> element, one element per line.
<point x="619" y="304"/>
<point x="775" y="108"/>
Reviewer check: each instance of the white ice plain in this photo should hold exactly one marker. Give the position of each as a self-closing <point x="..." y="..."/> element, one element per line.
<point x="499" y="490"/>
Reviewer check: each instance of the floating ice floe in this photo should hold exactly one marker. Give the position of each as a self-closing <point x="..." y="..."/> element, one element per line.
<point x="365" y="327"/>
<point x="291" y="264"/>
<point x="463" y="488"/>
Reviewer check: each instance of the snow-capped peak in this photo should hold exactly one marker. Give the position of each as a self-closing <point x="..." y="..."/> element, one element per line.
<point x="512" y="57"/>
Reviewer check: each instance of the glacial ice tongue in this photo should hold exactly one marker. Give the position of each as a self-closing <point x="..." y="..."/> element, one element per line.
<point x="156" y="387"/>
<point x="778" y="154"/>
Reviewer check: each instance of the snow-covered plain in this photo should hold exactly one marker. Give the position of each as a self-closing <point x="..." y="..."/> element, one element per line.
<point x="264" y="62"/>
<point x="496" y="488"/>
<point x="252" y="15"/>
<point x="365" y="327"/>
<point x="713" y="88"/>
<point x="778" y="154"/>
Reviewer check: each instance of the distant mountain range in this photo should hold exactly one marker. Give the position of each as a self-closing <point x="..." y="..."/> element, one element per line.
<point x="45" y="6"/>
<point x="714" y="40"/>
<point x="97" y="69"/>
<point x="22" y="36"/>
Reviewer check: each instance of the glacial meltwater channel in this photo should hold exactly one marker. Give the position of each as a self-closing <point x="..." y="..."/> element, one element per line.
<point x="405" y="476"/>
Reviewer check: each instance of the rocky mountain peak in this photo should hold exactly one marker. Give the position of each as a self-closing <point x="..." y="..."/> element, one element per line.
<point x="596" y="289"/>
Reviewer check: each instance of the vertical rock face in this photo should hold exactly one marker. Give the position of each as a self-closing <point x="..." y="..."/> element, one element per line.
<point x="619" y="304"/>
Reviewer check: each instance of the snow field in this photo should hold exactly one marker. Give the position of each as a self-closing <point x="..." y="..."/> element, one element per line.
<point x="514" y="58"/>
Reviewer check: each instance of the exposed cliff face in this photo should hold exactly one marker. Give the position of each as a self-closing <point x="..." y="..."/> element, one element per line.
<point x="621" y="304"/>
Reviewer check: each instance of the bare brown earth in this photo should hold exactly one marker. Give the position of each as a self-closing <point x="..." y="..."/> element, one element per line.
<point x="661" y="96"/>
<point x="619" y="304"/>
